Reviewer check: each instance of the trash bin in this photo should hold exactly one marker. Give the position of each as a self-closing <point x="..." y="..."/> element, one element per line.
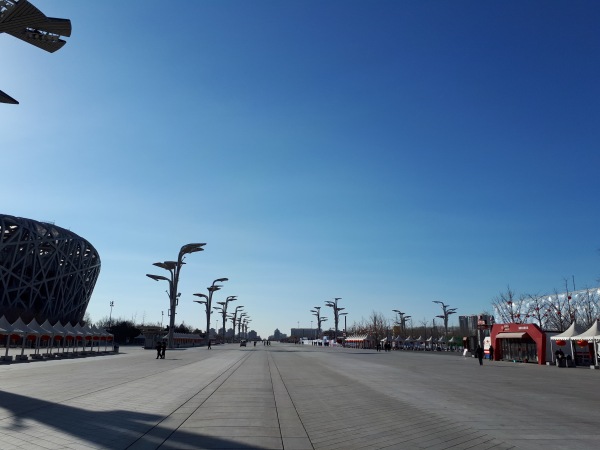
<point x="116" y="347"/>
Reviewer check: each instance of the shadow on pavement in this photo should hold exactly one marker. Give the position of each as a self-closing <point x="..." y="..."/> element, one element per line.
<point x="114" y="429"/>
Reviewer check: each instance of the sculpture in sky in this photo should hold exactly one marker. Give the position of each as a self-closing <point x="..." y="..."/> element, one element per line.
<point x="21" y="19"/>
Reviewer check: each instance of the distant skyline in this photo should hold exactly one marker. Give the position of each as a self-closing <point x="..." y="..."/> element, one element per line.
<point x="388" y="153"/>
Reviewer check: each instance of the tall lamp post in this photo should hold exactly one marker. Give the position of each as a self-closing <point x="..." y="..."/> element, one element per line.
<point x="345" y="314"/>
<point x="234" y="319"/>
<point x="317" y="313"/>
<point x="402" y="321"/>
<point x="446" y="313"/>
<point x="202" y="302"/>
<point x="211" y="290"/>
<point x="174" y="269"/>
<point x="240" y="319"/>
<point x="231" y="298"/>
<point x="110" y="315"/>
<point x="336" y="314"/>
<point x="245" y="326"/>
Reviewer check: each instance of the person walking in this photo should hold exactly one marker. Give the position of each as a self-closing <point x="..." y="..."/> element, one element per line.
<point x="163" y="349"/>
<point x="491" y="349"/>
<point x="158" y="350"/>
<point x="479" y="354"/>
<point x="209" y="347"/>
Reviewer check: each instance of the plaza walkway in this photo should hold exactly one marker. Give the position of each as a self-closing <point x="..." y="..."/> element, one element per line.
<point x="295" y="397"/>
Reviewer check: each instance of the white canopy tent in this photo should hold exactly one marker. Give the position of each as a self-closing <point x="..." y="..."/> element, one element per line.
<point x="6" y="328"/>
<point x="566" y="335"/>
<point x="38" y="333"/>
<point x="592" y="334"/>
<point x="19" y="327"/>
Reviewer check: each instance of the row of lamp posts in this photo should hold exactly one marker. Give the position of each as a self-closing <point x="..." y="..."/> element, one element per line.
<point x="174" y="269"/>
<point x="446" y="313"/>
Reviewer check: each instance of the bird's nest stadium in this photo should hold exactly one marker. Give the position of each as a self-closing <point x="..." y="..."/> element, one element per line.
<point x="46" y="272"/>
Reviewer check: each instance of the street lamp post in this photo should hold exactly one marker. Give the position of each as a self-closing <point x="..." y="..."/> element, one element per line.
<point x="211" y="290"/>
<point x="234" y="319"/>
<point x="446" y="313"/>
<point x="336" y="316"/>
<point x="345" y="314"/>
<point x="231" y="298"/>
<point x="110" y="315"/>
<point x="174" y="269"/>
<point x="240" y="319"/>
<point x="403" y="318"/>
<point x="246" y="321"/>
<point x="317" y="313"/>
<point x="202" y="302"/>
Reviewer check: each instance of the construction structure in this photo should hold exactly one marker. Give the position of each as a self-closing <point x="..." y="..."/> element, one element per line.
<point x="21" y="19"/>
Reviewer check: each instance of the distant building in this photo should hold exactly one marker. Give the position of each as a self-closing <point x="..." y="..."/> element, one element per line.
<point x="470" y="324"/>
<point x="474" y="329"/>
<point x="299" y="333"/>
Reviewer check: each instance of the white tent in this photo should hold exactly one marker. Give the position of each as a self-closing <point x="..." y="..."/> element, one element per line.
<point x="54" y="334"/>
<point x="77" y="336"/>
<point x="38" y="332"/>
<point x="19" y="327"/>
<point x="566" y="335"/>
<point x="6" y="328"/>
<point x="66" y="334"/>
<point x="592" y="334"/>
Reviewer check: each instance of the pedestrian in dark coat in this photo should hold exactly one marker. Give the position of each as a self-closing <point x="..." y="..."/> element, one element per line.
<point x="491" y="349"/>
<point x="158" y="350"/>
<point x="479" y="354"/>
<point x="163" y="349"/>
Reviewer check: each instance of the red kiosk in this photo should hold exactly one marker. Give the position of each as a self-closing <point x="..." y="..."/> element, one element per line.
<point x="519" y="342"/>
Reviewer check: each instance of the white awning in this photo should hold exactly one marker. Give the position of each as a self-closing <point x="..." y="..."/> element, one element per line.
<point x="510" y="335"/>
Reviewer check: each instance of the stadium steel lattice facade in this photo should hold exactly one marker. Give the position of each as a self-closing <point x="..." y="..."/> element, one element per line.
<point x="46" y="272"/>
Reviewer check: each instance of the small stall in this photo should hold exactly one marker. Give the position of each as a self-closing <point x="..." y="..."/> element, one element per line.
<point x="519" y="342"/>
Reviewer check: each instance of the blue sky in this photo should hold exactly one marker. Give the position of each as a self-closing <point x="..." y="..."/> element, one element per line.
<point x="390" y="153"/>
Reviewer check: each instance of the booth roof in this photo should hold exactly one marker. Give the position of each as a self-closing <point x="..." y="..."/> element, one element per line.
<point x="360" y="337"/>
<point x="5" y="326"/>
<point x="573" y="330"/>
<point x="514" y="335"/>
<point x="592" y="333"/>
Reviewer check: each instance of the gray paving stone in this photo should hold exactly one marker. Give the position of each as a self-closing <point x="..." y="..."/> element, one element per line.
<point x="290" y="397"/>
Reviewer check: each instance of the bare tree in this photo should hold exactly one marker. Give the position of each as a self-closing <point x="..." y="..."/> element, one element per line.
<point x="377" y="325"/>
<point x="509" y="308"/>
<point x="559" y="311"/>
<point x="536" y="309"/>
<point x="587" y="305"/>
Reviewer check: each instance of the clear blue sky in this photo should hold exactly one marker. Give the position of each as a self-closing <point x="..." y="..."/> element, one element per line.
<point x="390" y="153"/>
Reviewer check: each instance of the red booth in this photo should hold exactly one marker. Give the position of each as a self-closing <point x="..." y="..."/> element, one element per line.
<point x="519" y="342"/>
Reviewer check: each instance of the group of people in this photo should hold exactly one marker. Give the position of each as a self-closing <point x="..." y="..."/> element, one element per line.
<point x="161" y="348"/>
<point x="480" y="353"/>
<point x="387" y="346"/>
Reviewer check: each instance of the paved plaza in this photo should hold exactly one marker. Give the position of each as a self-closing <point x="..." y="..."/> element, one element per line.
<point x="289" y="396"/>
